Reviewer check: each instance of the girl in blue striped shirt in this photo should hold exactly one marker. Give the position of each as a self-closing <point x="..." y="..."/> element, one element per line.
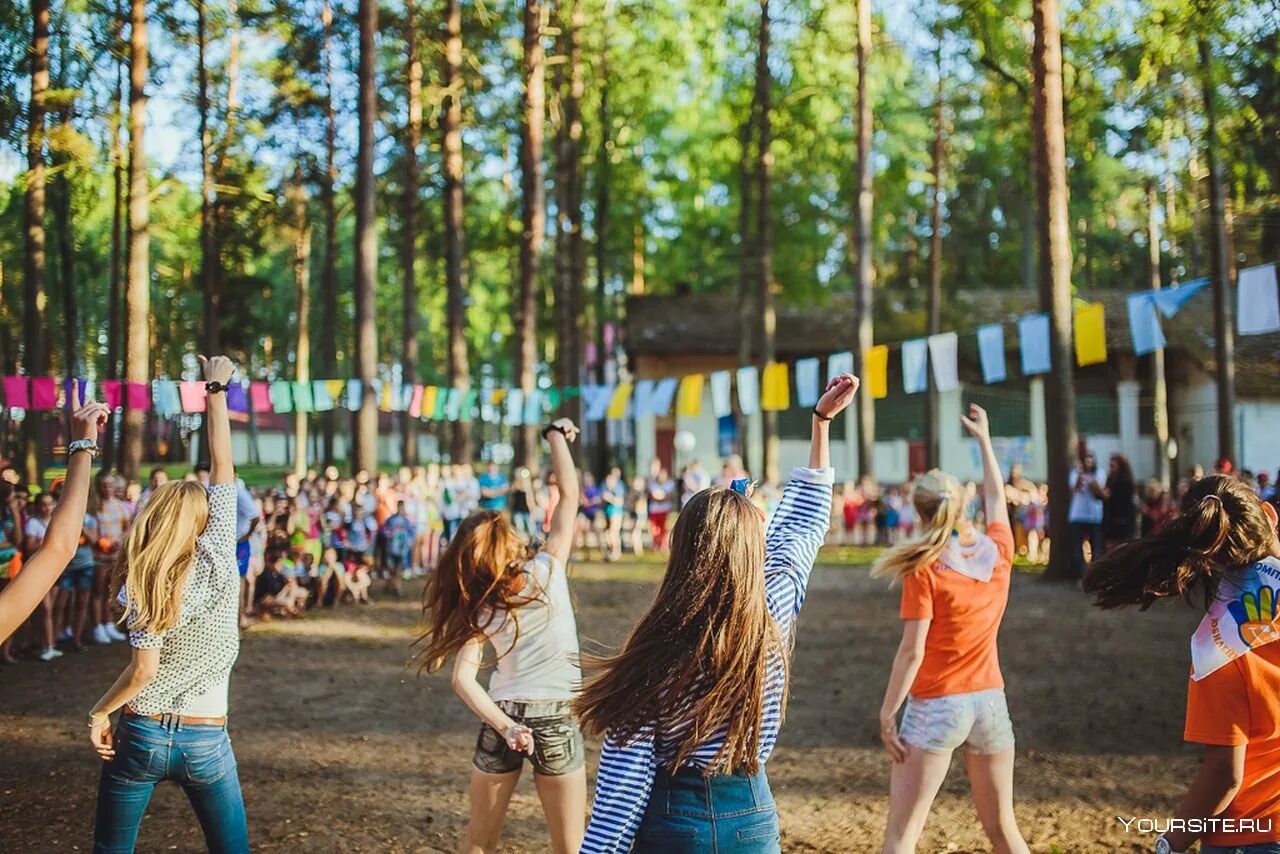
<point x="691" y="706"/>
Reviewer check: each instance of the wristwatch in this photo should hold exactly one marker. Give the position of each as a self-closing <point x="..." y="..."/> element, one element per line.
<point x="83" y="445"/>
<point x="1163" y="846"/>
<point x="213" y="387"/>
<point x="554" y="428"/>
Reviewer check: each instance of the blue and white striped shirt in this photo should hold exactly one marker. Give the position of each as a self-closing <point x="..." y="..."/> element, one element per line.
<point x="626" y="772"/>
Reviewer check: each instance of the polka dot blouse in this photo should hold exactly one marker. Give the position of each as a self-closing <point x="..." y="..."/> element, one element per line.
<point x="197" y="654"/>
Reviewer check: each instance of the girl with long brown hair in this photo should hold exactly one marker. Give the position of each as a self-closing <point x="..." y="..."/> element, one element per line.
<point x="492" y="587"/>
<point x="955" y="586"/>
<point x="1223" y="546"/>
<point x="178" y="582"/>
<point x="691" y="706"/>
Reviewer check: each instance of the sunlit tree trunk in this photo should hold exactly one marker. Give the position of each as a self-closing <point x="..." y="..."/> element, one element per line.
<point x="35" y="356"/>
<point x="408" y="248"/>
<point x="138" y="282"/>
<point x="209" y="340"/>
<point x="366" y="250"/>
<point x="302" y="289"/>
<point x="117" y="216"/>
<point x="764" y="227"/>
<point x="1053" y="229"/>
<point x="532" y="221"/>
<point x="601" y="224"/>
<point x="863" y="275"/>
<point x="455" y="268"/>
<point x="66" y="258"/>
<point x="1159" y="388"/>
<point x="935" y="260"/>
<point x="327" y="351"/>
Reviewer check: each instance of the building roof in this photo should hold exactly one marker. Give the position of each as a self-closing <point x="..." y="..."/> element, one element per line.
<point x="706" y="325"/>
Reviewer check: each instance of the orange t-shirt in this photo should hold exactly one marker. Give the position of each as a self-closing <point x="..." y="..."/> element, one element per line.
<point x="1239" y="703"/>
<point x="960" y="650"/>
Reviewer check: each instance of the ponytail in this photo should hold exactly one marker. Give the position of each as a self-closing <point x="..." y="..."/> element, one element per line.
<point x="1220" y="526"/>
<point x="939" y="503"/>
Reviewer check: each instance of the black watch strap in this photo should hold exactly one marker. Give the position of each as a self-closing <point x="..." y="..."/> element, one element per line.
<point x="554" y="428"/>
<point x="820" y="416"/>
<point x="214" y="387"/>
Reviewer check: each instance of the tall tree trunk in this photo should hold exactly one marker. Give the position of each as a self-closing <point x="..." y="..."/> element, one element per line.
<point x="764" y="227"/>
<point x="935" y="261"/>
<point x="748" y="259"/>
<point x="455" y="268"/>
<point x="532" y="222"/>
<point x="302" y="287"/>
<point x="1053" y="229"/>
<point x="117" y="216"/>
<point x="209" y="261"/>
<point x="327" y="351"/>
<point x="1159" y="388"/>
<point x="138" y="285"/>
<point x="1223" y="323"/>
<point x="560" y="302"/>
<point x="66" y="259"/>
<point x="862" y="247"/>
<point x="577" y="243"/>
<point x="35" y="356"/>
<point x="601" y="224"/>
<point x="366" y="255"/>
<point x="408" y="249"/>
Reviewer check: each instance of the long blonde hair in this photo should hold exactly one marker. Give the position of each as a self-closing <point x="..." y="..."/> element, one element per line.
<point x="153" y="565"/>
<point x="698" y="660"/>
<point x="939" y="502"/>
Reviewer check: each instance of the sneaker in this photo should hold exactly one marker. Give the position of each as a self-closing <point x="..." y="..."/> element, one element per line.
<point x="65" y="634"/>
<point x="114" y="633"/>
<point x="100" y="635"/>
<point x="50" y="654"/>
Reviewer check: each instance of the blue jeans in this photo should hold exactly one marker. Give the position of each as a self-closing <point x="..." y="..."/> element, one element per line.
<point x="1257" y="848"/>
<point x="690" y="814"/>
<point x="197" y="758"/>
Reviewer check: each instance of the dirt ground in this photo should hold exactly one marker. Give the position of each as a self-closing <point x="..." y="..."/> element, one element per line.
<point x="343" y="749"/>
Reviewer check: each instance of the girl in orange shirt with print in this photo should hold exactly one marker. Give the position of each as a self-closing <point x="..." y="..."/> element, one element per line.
<point x="955" y="585"/>
<point x="1223" y="546"/>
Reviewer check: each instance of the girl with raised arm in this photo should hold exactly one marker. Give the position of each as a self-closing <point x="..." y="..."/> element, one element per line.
<point x="23" y="594"/>
<point x="491" y="587"/>
<point x="180" y="588"/>
<point x="955" y="585"/>
<point x="1223" y="545"/>
<point x="690" y="708"/>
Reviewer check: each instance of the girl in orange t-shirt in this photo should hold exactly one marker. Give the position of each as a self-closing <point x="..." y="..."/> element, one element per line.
<point x="955" y="585"/>
<point x="1223" y="544"/>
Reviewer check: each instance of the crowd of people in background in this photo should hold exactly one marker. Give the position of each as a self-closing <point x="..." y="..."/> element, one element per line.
<point x="325" y="540"/>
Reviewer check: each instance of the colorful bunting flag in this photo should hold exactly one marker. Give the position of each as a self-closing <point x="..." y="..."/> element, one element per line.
<point x="775" y="392"/>
<point x="260" y="397"/>
<point x="193" y="396"/>
<point x="721" y="388"/>
<point x="17" y="392"/>
<point x="944" y="357"/>
<point x="643" y="391"/>
<point x="237" y="397"/>
<point x="619" y="402"/>
<point x="453" y="403"/>
<point x="991" y="353"/>
<point x="439" y="407"/>
<point x="44" y="394"/>
<point x="664" y="393"/>
<point x="514" y="407"/>
<point x="915" y="366"/>
<point x="839" y="363"/>
<point x="424" y="401"/>
<point x="323" y="395"/>
<point x="281" y="396"/>
<point x="1144" y="323"/>
<point x="303" y="401"/>
<point x="689" y="398"/>
<point x="533" y="407"/>
<point x="335" y="389"/>
<point x="877" y="370"/>
<point x="1033" y="338"/>
<point x="1090" y="327"/>
<point x="137" y="396"/>
<point x="595" y="401"/>
<point x="748" y="390"/>
<point x="808" y="383"/>
<point x="1257" y="301"/>
<point x="112" y="394"/>
<point x="1170" y="300"/>
<point x="355" y="395"/>
<point x="168" y="401"/>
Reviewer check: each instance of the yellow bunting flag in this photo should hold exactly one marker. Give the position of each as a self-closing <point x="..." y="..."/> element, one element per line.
<point x="618" y="403"/>
<point x="775" y="396"/>
<point x="428" y="405"/>
<point x="877" y="372"/>
<point x="689" y="398"/>
<point x="384" y="399"/>
<point x="335" y="388"/>
<point x="1090" y="334"/>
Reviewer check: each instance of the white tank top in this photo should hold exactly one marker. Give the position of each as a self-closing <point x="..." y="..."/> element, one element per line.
<point x="537" y="643"/>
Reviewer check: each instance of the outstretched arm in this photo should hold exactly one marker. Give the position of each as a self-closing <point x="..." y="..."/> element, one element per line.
<point x="22" y="595"/>
<point x="565" y="517"/>
<point x="466" y="667"/>
<point x="906" y="664"/>
<point x="219" y="369"/>
<point x="992" y="481"/>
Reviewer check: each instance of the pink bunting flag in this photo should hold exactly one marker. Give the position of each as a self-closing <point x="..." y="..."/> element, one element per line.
<point x="112" y="394"/>
<point x="137" y="396"/>
<point x="44" y="393"/>
<point x="193" y="396"/>
<point x="415" y="405"/>
<point x="17" y="392"/>
<point x="260" y="396"/>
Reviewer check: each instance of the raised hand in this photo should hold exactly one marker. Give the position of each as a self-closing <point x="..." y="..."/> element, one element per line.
<point x="838" y="395"/>
<point x="977" y="424"/>
<point x="217" y="369"/>
<point x="88" y="420"/>
<point x="567" y="428"/>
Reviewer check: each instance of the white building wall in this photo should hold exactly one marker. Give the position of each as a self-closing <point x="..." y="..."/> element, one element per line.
<point x="1258" y="435"/>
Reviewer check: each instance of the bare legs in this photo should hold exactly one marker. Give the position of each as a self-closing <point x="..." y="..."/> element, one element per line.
<point x="564" y="802"/>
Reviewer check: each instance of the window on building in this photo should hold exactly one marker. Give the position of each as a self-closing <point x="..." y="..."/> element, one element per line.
<point x="1008" y="408"/>
<point x="1097" y="414"/>
<point x="900" y="416"/>
<point x="797" y="423"/>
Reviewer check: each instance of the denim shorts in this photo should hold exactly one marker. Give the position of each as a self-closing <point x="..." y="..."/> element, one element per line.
<point x="688" y="813"/>
<point x="77" y="576"/>
<point x="557" y="741"/>
<point x="978" y="722"/>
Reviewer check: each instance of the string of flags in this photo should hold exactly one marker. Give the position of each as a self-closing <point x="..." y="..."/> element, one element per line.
<point x="771" y="389"/>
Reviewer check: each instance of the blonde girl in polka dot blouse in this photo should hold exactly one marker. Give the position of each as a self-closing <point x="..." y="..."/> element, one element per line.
<point x="180" y="589"/>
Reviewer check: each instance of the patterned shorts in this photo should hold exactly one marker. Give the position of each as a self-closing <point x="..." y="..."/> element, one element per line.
<point x="557" y="741"/>
<point x="979" y="722"/>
